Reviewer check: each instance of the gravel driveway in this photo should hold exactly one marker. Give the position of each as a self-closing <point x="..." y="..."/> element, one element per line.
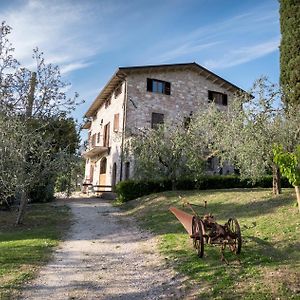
<point x="105" y="256"/>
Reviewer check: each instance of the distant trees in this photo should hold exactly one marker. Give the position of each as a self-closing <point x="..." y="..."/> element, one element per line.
<point x="37" y="137"/>
<point x="290" y="50"/>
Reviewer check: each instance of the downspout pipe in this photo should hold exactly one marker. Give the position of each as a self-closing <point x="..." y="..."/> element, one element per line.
<point x="123" y="128"/>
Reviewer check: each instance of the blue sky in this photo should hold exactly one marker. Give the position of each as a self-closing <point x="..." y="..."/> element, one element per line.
<point x="89" y="39"/>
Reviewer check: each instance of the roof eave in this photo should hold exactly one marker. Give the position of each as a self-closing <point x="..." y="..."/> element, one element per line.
<point x="108" y="89"/>
<point x="122" y="72"/>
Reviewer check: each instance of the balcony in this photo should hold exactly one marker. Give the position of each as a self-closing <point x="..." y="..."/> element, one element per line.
<point x="94" y="151"/>
<point x="97" y="144"/>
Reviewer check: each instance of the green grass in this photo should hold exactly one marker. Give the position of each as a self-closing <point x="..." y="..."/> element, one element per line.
<point x="24" y="248"/>
<point x="269" y="265"/>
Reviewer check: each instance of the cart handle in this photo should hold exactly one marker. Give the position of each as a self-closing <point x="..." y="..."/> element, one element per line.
<point x="186" y="203"/>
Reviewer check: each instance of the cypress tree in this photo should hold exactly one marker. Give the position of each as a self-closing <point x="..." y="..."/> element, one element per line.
<point x="290" y="50"/>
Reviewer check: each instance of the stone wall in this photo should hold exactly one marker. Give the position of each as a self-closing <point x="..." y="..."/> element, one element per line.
<point x="189" y="92"/>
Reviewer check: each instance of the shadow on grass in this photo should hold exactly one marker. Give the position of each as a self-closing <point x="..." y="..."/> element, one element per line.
<point x="160" y="219"/>
<point x="270" y="241"/>
<point x="220" y="278"/>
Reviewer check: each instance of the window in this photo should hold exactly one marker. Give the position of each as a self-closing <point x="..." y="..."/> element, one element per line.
<point x="118" y="90"/>
<point x="116" y="122"/>
<point x="93" y="143"/>
<point x="90" y="138"/>
<point x="127" y="170"/>
<point x="218" y="98"/>
<point x="106" y="133"/>
<point x="98" y="137"/>
<point x="158" y="86"/>
<point x="156" y="120"/>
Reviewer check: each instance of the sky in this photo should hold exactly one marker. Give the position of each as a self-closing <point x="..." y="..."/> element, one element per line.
<point x="90" y="39"/>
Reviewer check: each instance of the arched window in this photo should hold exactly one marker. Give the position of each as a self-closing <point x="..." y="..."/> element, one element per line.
<point x="103" y="165"/>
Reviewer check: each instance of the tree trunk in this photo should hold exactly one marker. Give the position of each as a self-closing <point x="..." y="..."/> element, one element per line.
<point x="297" y="189"/>
<point x="173" y="185"/>
<point x="22" y="208"/>
<point x="276" y="180"/>
<point x="28" y="115"/>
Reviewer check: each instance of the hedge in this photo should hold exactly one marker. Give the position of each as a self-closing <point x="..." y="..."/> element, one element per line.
<point x="132" y="189"/>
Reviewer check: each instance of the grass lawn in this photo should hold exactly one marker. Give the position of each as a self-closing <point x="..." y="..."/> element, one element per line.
<point x="269" y="264"/>
<point x="26" y="247"/>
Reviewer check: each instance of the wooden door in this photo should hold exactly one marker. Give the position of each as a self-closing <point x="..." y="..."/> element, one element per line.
<point x="102" y="177"/>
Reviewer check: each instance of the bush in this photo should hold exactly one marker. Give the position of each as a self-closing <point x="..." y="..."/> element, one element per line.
<point x="131" y="189"/>
<point x="41" y="193"/>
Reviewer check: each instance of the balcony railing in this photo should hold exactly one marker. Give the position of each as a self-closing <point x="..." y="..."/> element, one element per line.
<point x="96" y="147"/>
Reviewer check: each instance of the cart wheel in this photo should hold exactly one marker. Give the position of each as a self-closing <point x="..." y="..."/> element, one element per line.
<point x="237" y="237"/>
<point x="197" y="232"/>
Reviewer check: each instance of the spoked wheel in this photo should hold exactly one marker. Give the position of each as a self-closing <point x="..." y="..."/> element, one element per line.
<point x="197" y="234"/>
<point x="236" y="236"/>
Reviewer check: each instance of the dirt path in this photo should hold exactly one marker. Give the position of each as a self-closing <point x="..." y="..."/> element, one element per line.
<point x="105" y="256"/>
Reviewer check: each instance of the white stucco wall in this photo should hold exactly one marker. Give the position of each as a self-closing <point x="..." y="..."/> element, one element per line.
<point x="103" y="116"/>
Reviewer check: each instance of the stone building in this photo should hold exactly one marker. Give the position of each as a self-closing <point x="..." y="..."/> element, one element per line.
<point x="142" y="96"/>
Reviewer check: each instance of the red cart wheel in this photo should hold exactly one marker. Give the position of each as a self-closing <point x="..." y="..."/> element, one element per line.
<point x="197" y="234"/>
<point x="235" y="232"/>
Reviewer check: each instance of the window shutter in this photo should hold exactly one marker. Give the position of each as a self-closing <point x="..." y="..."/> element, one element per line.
<point x="224" y="102"/>
<point x="106" y="133"/>
<point x="116" y="122"/>
<point x="94" y="140"/>
<point x="149" y="85"/>
<point x="210" y="96"/>
<point x="168" y="88"/>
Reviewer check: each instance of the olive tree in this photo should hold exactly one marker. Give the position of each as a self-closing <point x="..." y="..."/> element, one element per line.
<point x="30" y="99"/>
<point x="165" y="152"/>
<point x="244" y="133"/>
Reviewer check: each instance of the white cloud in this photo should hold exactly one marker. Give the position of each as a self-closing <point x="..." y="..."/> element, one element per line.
<point x="236" y="36"/>
<point x="58" y="29"/>
<point x="67" y="68"/>
<point x="185" y="49"/>
<point x="243" y="54"/>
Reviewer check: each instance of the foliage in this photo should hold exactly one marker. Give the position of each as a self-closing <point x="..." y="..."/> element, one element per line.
<point x="244" y="134"/>
<point x="37" y="135"/>
<point x="24" y="248"/>
<point x="290" y="49"/>
<point x="268" y="266"/>
<point x="241" y="134"/>
<point x="68" y="180"/>
<point x="165" y="152"/>
<point x="289" y="163"/>
<point x="132" y="189"/>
